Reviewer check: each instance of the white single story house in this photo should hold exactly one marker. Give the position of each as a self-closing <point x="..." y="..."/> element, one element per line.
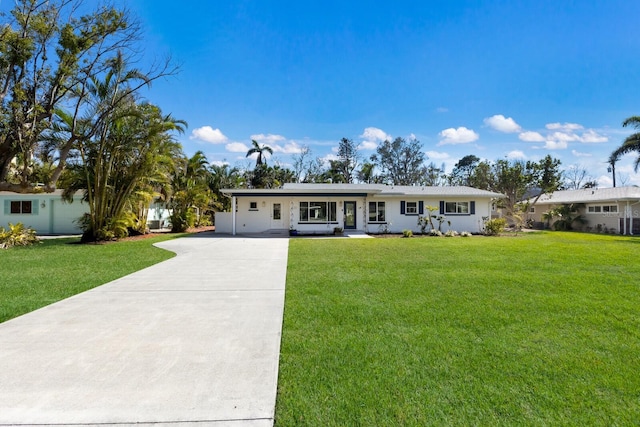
<point x="605" y="209"/>
<point x="49" y="214"/>
<point x="370" y="208"/>
<point x="46" y="213"/>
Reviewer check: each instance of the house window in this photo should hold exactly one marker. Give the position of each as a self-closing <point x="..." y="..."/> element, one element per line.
<point x="602" y="209"/>
<point x="318" y="212"/>
<point x="456" y="208"/>
<point x="21" y="207"/>
<point x="376" y="212"/>
<point x="253" y="206"/>
<point x="532" y="209"/>
<point x="412" y="208"/>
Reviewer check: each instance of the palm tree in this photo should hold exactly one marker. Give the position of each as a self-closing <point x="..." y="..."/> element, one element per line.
<point x="630" y="144"/>
<point x="260" y="150"/>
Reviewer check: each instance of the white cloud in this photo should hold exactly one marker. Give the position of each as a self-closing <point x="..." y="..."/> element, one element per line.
<point x="328" y="157"/>
<point x="208" y="134"/>
<point x="435" y="155"/>
<point x="237" y="147"/>
<point x="516" y="155"/>
<point x="288" y="148"/>
<point x="375" y="134"/>
<point x="368" y="145"/>
<point x="579" y="154"/>
<point x="565" y="127"/>
<point x="555" y="145"/>
<point x="563" y="137"/>
<point x="267" y="139"/>
<point x="530" y="136"/>
<point x="591" y="136"/>
<point x="461" y="135"/>
<point x="502" y="124"/>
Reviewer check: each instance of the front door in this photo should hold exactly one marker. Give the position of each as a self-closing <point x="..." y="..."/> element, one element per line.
<point x="276" y="216"/>
<point x="349" y="215"/>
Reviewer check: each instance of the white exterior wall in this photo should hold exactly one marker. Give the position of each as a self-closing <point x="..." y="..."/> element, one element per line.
<point x="260" y="219"/>
<point x="50" y="214"/>
<point x="397" y="222"/>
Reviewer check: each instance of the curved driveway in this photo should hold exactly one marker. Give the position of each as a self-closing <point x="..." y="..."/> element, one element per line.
<point x="193" y="340"/>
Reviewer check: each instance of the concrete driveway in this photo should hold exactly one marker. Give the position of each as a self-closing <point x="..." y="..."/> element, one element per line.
<point x="193" y="340"/>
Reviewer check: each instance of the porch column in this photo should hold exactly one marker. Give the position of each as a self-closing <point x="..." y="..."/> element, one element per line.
<point x="626" y="213"/>
<point x="233" y="215"/>
<point x="630" y="220"/>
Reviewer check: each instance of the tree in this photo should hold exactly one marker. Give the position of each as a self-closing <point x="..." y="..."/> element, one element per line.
<point x="365" y="174"/>
<point x="221" y="177"/>
<point x="631" y="143"/>
<point x="347" y="160"/>
<point x="577" y="177"/>
<point x="401" y="162"/>
<point x="49" y="59"/>
<point x="613" y="159"/>
<point x="259" y="150"/>
<point x="130" y="147"/>
<point x="191" y="199"/>
<point x="463" y="170"/>
<point x="434" y="175"/>
<point x="517" y="180"/>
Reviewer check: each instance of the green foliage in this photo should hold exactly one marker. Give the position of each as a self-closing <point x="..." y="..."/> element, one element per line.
<point x="407" y="233"/>
<point x="494" y="227"/>
<point x="17" y="235"/>
<point x="631" y="144"/>
<point x="451" y="233"/>
<point x="401" y="162"/>
<point x="568" y="216"/>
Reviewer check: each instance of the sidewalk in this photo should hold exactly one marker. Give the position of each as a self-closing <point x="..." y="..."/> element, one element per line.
<point x="191" y="341"/>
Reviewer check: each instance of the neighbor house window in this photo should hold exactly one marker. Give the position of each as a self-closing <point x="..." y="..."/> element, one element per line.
<point x="456" y="208"/>
<point x="318" y="212"/>
<point x="412" y="208"/>
<point x="253" y="206"/>
<point x="376" y="212"/>
<point x="532" y="209"/>
<point x="602" y="209"/>
<point x="21" y="207"/>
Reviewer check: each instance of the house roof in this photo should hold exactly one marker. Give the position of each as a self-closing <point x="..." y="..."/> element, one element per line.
<point x="590" y="195"/>
<point x="57" y="193"/>
<point x="364" y="190"/>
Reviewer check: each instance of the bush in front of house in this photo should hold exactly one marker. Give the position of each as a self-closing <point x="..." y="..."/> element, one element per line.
<point x="17" y="235"/>
<point x="494" y="226"/>
<point x="407" y="233"/>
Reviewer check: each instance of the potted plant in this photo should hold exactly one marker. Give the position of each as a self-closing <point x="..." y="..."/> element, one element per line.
<point x="293" y="231"/>
<point x="337" y="231"/>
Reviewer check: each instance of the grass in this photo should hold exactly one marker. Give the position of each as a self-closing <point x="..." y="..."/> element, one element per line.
<point x="36" y="276"/>
<point x="539" y="329"/>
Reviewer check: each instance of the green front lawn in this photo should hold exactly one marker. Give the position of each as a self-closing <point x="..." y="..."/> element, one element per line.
<point x="35" y="276"/>
<point x="539" y="329"/>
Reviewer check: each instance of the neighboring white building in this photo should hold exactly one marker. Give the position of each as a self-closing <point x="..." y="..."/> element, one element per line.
<point x="605" y="209"/>
<point x="371" y="208"/>
<point x="46" y="213"/>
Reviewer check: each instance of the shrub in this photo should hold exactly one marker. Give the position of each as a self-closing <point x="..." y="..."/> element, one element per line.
<point x="17" y="235"/>
<point x="495" y="226"/>
<point x="435" y="232"/>
<point x="407" y="233"/>
<point x="450" y="233"/>
<point x="465" y="234"/>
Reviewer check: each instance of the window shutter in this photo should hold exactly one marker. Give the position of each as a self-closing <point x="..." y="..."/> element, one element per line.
<point x="403" y="207"/>
<point x="35" y="206"/>
<point x="441" y="207"/>
<point x="7" y="207"/>
<point x="472" y="207"/>
<point x="420" y="207"/>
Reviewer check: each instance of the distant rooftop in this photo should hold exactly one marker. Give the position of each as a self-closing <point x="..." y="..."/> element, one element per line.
<point x="591" y="195"/>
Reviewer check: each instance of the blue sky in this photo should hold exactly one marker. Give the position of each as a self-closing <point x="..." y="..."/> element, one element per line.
<point x="517" y="79"/>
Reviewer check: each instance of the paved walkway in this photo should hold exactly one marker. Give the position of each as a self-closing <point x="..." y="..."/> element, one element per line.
<point x="191" y="341"/>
